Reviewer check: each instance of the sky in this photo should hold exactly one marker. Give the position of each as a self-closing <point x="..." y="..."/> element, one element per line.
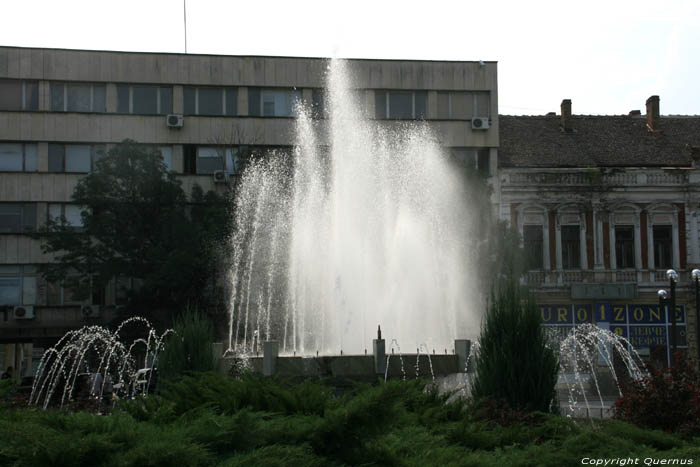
<point x="607" y="56"/>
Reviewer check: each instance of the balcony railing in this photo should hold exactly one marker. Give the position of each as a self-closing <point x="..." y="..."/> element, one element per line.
<point x="586" y="177"/>
<point x="565" y="277"/>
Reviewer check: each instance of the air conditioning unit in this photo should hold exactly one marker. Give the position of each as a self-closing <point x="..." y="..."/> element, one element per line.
<point x="90" y="311"/>
<point x="480" y="123"/>
<point x="220" y="177"/>
<point x="175" y="120"/>
<point x="23" y="312"/>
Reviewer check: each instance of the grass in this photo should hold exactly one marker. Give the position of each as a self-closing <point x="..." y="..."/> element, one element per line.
<point x="209" y="419"/>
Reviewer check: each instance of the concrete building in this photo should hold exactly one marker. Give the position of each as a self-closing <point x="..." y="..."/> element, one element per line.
<point x="605" y="205"/>
<point x="60" y="108"/>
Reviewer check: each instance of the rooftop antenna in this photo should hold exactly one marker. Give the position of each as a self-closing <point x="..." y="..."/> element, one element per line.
<point x="184" y="8"/>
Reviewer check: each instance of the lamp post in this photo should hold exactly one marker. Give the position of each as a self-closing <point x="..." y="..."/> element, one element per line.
<point x="663" y="302"/>
<point x="673" y="279"/>
<point x="696" y="279"/>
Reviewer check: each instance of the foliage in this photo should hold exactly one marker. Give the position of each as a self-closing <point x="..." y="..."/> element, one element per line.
<point x="189" y="348"/>
<point x="393" y="424"/>
<point x="668" y="400"/>
<point x="138" y="224"/>
<point x="514" y="361"/>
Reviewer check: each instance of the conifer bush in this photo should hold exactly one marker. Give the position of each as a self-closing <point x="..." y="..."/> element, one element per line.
<point x="514" y="361"/>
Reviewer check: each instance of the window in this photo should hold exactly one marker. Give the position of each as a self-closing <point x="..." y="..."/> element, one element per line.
<point x="463" y="105"/>
<point x="272" y="102"/>
<point x="210" y="101"/>
<point x="17" y="285"/>
<point x="74" y="290"/>
<point x="18" y="94"/>
<point x="17" y="218"/>
<point x="213" y="158"/>
<point x="77" y="158"/>
<point x="533" y="244"/>
<point x="624" y="246"/>
<point x="71" y="213"/>
<point x="318" y="104"/>
<point x="78" y="97"/>
<point x="144" y="99"/>
<point x="400" y="104"/>
<point x="570" y="247"/>
<point x="473" y="158"/>
<point x="17" y="157"/>
<point x="663" y="246"/>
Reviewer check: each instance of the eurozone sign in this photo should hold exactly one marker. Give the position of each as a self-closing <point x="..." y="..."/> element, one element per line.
<point x="643" y="325"/>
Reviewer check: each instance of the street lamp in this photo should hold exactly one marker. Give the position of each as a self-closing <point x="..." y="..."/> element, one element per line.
<point x="663" y="305"/>
<point x="696" y="278"/>
<point x="673" y="279"/>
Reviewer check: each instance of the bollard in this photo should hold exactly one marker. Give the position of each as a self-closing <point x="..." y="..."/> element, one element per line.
<point x="270" y="353"/>
<point x="462" y="349"/>
<point x="379" y="348"/>
<point x="217" y="348"/>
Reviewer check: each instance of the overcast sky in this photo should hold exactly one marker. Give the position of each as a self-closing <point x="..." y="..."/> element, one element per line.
<point x="607" y="56"/>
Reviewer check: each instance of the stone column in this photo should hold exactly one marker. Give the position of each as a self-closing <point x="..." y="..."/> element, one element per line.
<point x="270" y="353"/>
<point x="463" y="350"/>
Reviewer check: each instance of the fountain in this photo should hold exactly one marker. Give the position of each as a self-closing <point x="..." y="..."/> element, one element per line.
<point x="365" y="224"/>
<point x="94" y="350"/>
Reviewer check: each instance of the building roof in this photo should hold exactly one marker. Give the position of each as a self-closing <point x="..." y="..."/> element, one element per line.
<point x="597" y="141"/>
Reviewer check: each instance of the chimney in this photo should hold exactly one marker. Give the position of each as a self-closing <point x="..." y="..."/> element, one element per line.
<point x="653" y="115"/>
<point x="566" y="115"/>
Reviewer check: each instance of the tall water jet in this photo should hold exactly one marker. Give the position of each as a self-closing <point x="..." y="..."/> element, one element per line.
<point x="366" y="223"/>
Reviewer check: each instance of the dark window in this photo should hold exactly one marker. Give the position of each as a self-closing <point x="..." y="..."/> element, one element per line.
<point x="483" y="162"/>
<point x="624" y="246"/>
<point x="17" y="94"/>
<point x="403" y="105"/>
<point x="663" y="246"/>
<point x="123" y="99"/>
<point x="570" y="247"/>
<point x="166" y="100"/>
<point x="463" y="105"/>
<point x="144" y="100"/>
<point x="189" y="101"/>
<point x="190" y="159"/>
<point x="210" y="159"/>
<point x="231" y="102"/>
<point x="254" y="102"/>
<point x="17" y="218"/>
<point x="210" y="101"/>
<point x="533" y="244"/>
<point x="18" y="285"/>
<point x="73" y="158"/>
<point x="77" y="97"/>
<point x="318" y="104"/>
<point x="18" y="157"/>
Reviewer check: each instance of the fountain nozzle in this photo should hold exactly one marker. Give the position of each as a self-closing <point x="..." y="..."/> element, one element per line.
<point x="379" y="332"/>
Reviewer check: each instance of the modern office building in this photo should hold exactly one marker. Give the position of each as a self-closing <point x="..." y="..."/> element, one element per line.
<point x="605" y="206"/>
<point x="59" y="109"/>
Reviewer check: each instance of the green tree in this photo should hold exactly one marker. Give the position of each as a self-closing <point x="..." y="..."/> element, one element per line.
<point x="139" y="224"/>
<point x="188" y="349"/>
<point x="515" y="361"/>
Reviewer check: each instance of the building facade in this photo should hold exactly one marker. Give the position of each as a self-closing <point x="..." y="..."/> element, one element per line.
<point x="59" y="109"/>
<point x="605" y="206"/>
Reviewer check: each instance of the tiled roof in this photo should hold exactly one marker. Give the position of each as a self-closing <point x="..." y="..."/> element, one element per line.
<point x="597" y="141"/>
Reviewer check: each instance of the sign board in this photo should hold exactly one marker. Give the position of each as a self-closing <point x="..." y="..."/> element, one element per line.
<point x="643" y="325"/>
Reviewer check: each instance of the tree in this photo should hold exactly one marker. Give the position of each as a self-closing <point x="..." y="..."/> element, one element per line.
<point x="139" y="224"/>
<point x="514" y="361"/>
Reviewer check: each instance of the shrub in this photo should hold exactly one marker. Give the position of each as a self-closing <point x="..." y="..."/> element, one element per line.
<point x="189" y="349"/>
<point x="668" y="400"/>
<point x="514" y="361"/>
